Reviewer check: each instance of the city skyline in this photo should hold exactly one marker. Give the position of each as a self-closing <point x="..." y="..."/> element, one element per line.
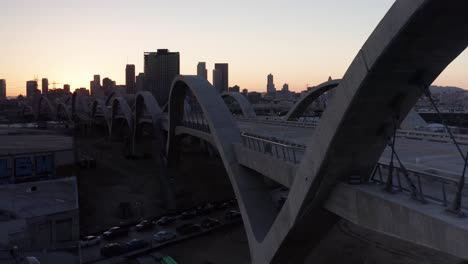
<point x="288" y="39"/>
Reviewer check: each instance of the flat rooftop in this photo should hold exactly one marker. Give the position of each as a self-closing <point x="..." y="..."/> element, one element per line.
<point x="39" y="198"/>
<point x="17" y="141"/>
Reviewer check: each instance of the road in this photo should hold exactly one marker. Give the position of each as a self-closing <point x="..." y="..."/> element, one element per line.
<point x="92" y="254"/>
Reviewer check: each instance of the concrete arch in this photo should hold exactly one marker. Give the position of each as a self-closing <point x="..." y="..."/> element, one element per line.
<point x="146" y="101"/>
<point x="110" y="96"/>
<point x="78" y="106"/>
<point x="48" y="104"/>
<point x="410" y="47"/>
<point x="62" y="107"/>
<point x="246" y="108"/>
<point x="253" y="196"/>
<point x="98" y="103"/>
<point x="301" y="106"/>
<point x="119" y="104"/>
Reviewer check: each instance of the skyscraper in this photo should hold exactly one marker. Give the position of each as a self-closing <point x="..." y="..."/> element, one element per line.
<point x="45" y="86"/>
<point x="31" y="89"/>
<point x="96" y="90"/>
<point x="221" y="77"/>
<point x="2" y="89"/>
<point x="161" y="68"/>
<point x="270" y="84"/>
<point x="66" y="87"/>
<point x="285" y="87"/>
<point x="130" y="78"/>
<point x="107" y="86"/>
<point x="201" y="70"/>
<point x="140" y="82"/>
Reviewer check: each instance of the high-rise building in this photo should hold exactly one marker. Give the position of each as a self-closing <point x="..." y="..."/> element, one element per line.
<point x="107" y="86"/>
<point x="66" y="88"/>
<point x="270" y="84"/>
<point x="31" y="89"/>
<point x="201" y="70"/>
<point x="140" y="82"/>
<point x="221" y="77"/>
<point x="45" y="86"/>
<point x="2" y="89"/>
<point x="95" y="87"/>
<point x="217" y="80"/>
<point x="285" y="87"/>
<point x="245" y="92"/>
<point x="161" y="68"/>
<point x="130" y="78"/>
<point x="234" y="89"/>
<point x="82" y="91"/>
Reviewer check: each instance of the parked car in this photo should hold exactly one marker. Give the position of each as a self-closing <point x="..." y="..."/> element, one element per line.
<point x="188" y="229"/>
<point x="221" y="205"/>
<point x="90" y="241"/>
<point x="114" y="232"/>
<point x="163" y="236"/>
<point x="210" y="223"/>
<point x="113" y="249"/>
<point x="188" y="214"/>
<point x="165" y="220"/>
<point x="205" y="209"/>
<point x="33" y="260"/>
<point x="233" y="202"/>
<point x="136" y="244"/>
<point x="144" y="225"/>
<point x="232" y="215"/>
<point x="163" y="259"/>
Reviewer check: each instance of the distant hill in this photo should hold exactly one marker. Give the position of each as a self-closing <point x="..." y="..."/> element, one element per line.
<point x="446" y="89"/>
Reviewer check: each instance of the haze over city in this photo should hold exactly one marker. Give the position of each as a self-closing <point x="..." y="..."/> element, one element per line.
<point x="300" y="42"/>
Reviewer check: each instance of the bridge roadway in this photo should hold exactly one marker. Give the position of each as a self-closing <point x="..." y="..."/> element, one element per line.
<point x="436" y="165"/>
<point x="420" y="154"/>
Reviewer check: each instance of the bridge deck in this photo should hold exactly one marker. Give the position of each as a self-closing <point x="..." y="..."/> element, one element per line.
<point x="424" y="155"/>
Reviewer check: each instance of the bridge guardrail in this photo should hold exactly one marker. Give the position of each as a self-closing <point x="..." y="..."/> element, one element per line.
<point x="430" y="186"/>
<point x="435" y="136"/>
<point x="311" y="124"/>
<point x="281" y="149"/>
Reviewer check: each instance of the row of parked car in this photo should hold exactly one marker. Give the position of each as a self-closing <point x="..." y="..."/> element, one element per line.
<point x="115" y="249"/>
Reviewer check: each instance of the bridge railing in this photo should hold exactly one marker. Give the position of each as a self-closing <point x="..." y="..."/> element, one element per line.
<point x="197" y="125"/>
<point x="280" y="149"/>
<point x="430" y="186"/>
<point x="434" y="136"/>
<point x="305" y="124"/>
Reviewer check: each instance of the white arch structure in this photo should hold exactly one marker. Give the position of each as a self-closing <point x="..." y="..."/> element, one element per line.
<point x="245" y="106"/>
<point x="410" y="47"/>
<point x="301" y="106"/>
<point x="51" y="109"/>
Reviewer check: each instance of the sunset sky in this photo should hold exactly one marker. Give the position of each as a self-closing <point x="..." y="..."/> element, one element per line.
<point x="300" y="42"/>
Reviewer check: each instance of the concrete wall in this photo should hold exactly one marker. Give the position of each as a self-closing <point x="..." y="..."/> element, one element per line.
<point x="398" y="216"/>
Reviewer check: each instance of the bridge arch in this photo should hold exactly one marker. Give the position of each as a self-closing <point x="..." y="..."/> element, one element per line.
<point x="97" y="105"/>
<point x="301" y="106"/>
<point x="48" y="105"/>
<point x="244" y="104"/>
<point x="253" y="197"/>
<point x="120" y="105"/>
<point x="63" y="111"/>
<point x="410" y="47"/>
